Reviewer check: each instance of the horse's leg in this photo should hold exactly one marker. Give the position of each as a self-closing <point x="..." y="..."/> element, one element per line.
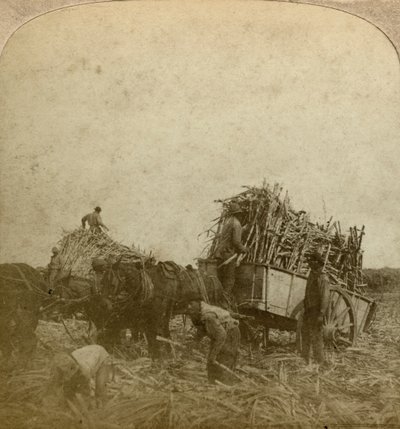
<point x="165" y="321"/>
<point x="151" y="324"/>
<point x="152" y="343"/>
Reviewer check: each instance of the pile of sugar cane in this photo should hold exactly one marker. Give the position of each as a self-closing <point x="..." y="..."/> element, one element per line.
<point x="78" y="248"/>
<point x="278" y="235"/>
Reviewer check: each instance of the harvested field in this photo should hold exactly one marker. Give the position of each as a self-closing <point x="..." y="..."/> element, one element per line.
<point x="276" y="389"/>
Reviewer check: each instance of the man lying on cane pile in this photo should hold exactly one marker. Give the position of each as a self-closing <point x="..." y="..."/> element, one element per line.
<point x="315" y="305"/>
<point x="72" y="373"/>
<point x="229" y="247"/>
<point x="223" y="331"/>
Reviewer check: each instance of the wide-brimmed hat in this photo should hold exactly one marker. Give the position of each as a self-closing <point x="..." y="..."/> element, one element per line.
<point x="97" y="209"/>
<point x="235" y="208"/>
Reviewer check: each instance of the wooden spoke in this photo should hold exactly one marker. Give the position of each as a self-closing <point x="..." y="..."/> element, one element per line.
<point x="342" y="315"/>
<point x="345" y="340"/>
<point x="343" y="327"/>
<point x="335" y="309"/>
<point x="340" y="324"/>
<point x="331" y="305"/>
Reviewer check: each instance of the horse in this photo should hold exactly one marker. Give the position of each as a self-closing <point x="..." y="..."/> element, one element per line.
<point x="22" y="294"/>
<point x="73" y="293"/>
<point x="146" y="296"/>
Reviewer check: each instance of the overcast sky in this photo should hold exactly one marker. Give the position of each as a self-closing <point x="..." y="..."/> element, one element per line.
<point x="154" y="110"/>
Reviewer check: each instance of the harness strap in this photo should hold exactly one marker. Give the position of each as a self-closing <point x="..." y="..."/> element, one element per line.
<point x="201" y="287"/>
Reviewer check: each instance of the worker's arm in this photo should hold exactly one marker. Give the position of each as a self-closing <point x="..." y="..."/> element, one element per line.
<point x="200" y="332"/>
<point x="78" y="383"/>
<point x="102" y="377"/>
<point x="100" y="222"/>
<point x="237" y="238"/>
<point x="217" y="334"/>
<point x="324" y="289"/>
<point x="57" y="263"/>
<point x="62" y="261"/>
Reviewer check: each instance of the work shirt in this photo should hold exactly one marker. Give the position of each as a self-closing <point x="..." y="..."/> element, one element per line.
<point x="230" y="241"/>
<point x="317" y="292"/>
<point x="56" y="262"/>
<point x="93" y="219"/>
<point x="217" y="322"/>
<point x="90" y="359"/>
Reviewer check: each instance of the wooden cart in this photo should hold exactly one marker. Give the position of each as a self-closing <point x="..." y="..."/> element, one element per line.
<point x="274" y="297"/>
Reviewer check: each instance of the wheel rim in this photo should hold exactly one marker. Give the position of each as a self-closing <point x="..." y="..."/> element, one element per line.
<point x="340" y="325"/>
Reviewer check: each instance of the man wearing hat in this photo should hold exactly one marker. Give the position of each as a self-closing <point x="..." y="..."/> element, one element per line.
<point x="223" y="331"/>
<point x="315" y="305"/>
<point x="71" y="373"/>
<point x="94" y="221"/>
<point x="230" y="243"/>
<point x="55" y="267"/>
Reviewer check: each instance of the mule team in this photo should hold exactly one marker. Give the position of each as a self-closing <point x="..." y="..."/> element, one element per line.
<point x="145" y="296"/>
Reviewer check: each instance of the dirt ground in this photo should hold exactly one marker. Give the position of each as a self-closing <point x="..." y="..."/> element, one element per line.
<point x="276" y="388"/>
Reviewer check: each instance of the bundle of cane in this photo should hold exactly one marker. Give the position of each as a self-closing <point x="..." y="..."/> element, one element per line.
<point x="279" y="236"/>
<point x="78" y="248"/>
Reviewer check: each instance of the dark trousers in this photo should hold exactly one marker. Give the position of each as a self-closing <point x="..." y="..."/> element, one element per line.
<point x="226" y="275"/>
<point x="312" y="337"/>
<point x="227" y="356"/>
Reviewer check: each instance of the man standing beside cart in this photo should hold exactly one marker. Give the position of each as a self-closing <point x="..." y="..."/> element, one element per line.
<point x="230" y="247"/>
<point x="315" y="305"/>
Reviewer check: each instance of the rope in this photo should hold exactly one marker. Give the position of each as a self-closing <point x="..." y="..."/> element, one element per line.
<point x="13" y="279"/>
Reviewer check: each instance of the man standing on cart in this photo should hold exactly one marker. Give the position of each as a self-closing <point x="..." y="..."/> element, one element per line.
<point x="230" y="247"/>
<point x="315" y="306"/>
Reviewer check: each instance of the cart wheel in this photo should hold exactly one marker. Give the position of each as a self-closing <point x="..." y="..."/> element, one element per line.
<point x="340" y="324"/>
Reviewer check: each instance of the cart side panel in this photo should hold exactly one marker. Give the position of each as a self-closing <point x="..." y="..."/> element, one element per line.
<point x="250" y="282"/>
<point x="361" y="308"/>
<point x="297" y="293"/>
<point x="279" y="287"/>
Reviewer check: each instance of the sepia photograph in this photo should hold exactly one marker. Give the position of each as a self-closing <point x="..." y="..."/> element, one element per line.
<point x="199" y="207"/>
